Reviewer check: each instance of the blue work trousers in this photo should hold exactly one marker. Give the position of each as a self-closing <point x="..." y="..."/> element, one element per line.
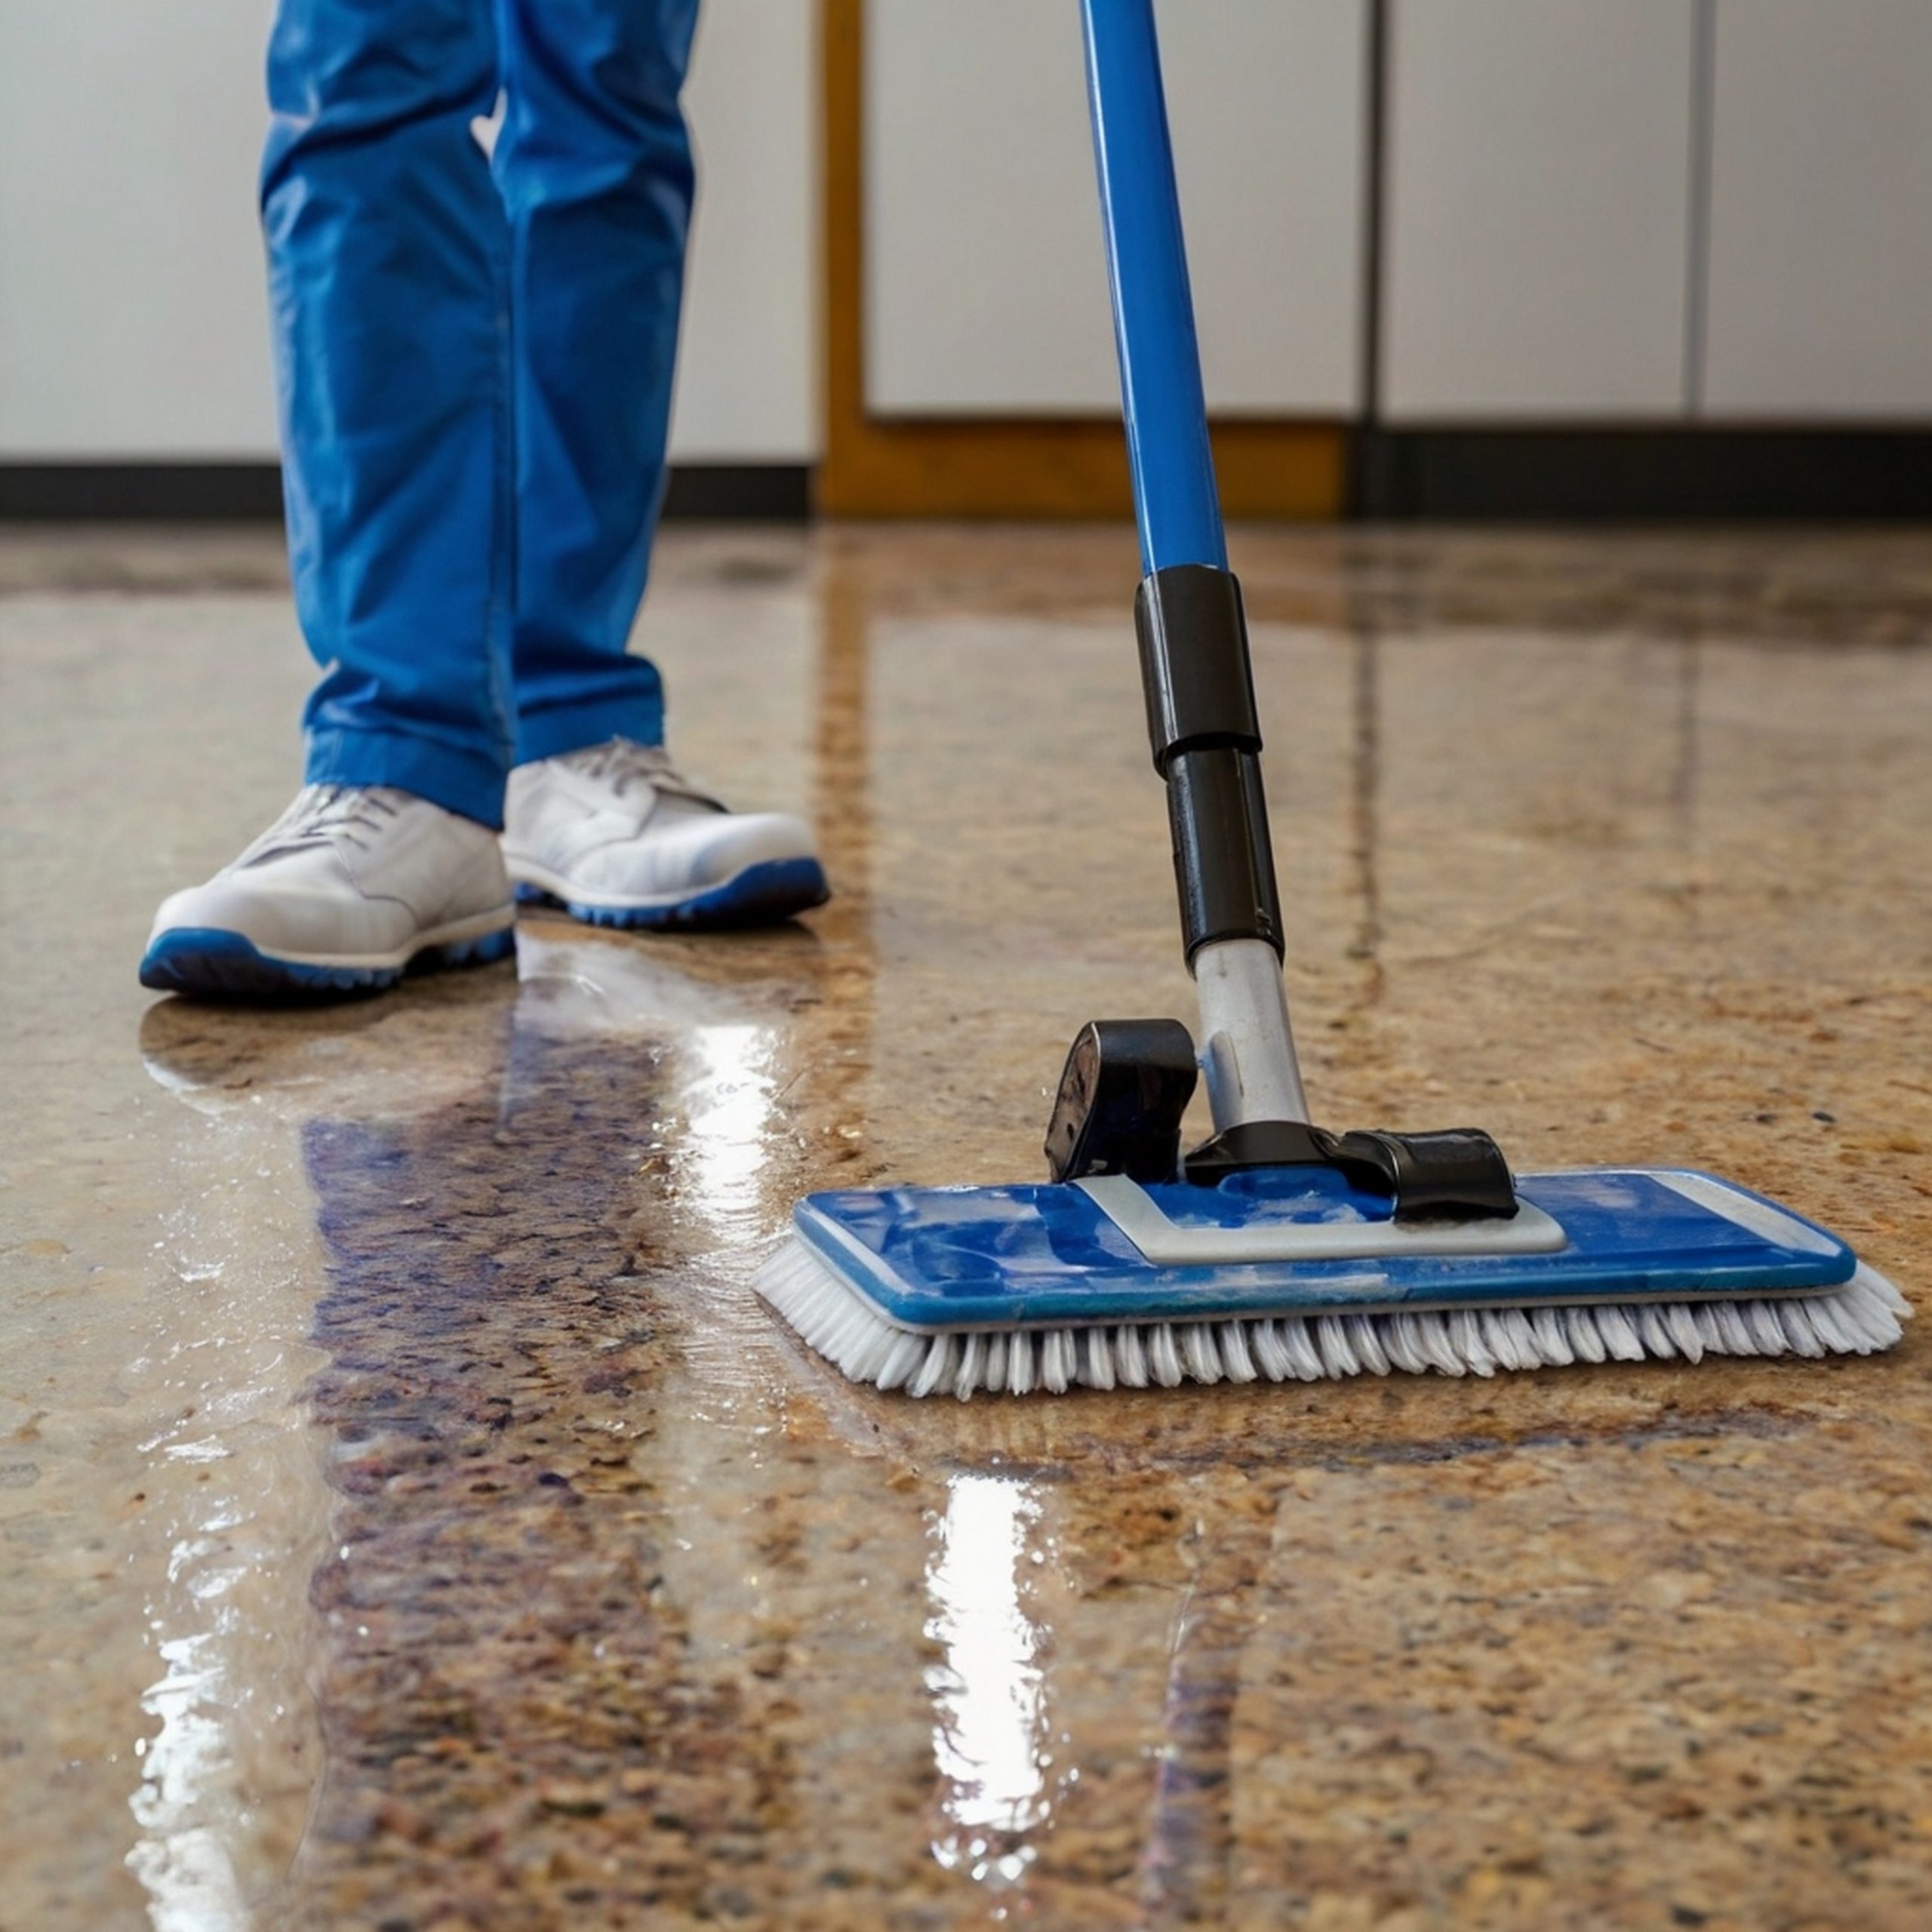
<point x="474" y="356"/>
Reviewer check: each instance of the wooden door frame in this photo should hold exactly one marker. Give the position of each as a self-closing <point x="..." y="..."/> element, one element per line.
<point x="998" y="466"/>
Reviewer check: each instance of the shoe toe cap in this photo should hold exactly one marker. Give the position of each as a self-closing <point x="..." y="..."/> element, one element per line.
<point x="288" y="924"/>
<point x="220" y="906"/>
<point x="725" y="847"/>
<point x="691" y="856"/>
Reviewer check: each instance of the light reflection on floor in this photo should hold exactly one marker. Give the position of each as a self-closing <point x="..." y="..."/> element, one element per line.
<point x="990" y="1739"/>
<point x="182" y="1857"/>
<point x="728" y="1120"/>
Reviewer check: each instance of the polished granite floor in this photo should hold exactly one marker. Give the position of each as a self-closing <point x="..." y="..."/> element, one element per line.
<point x="410" y="1520"/>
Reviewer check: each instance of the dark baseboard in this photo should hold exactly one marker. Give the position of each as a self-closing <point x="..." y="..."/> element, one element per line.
<point x="739" y="492"/>
<point x="1663" y="474"/>
<point x="251" y="492"/>
<point x="140" y="492"/>
<point x="1566" y="475"/>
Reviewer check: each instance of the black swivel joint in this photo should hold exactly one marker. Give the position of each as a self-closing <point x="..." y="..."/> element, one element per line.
<point x="1206" y="736"/>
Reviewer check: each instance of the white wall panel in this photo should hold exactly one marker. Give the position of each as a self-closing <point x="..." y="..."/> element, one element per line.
<point x="986" y="283"/>
<point x="1538" y="205"/>
<point x="748" y="362"/>
<point x="1820" y="292"/>
<point x="133" y="318"/>
<point x="133" y="314"/>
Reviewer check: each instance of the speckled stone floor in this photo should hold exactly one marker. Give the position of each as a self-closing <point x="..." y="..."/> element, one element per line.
<point x="410" y="1520"/>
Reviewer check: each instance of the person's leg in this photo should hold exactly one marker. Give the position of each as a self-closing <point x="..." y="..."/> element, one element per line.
<point x="387" y="264"/>
<point x="387" y="259"/>
<point x="594" y="168"/>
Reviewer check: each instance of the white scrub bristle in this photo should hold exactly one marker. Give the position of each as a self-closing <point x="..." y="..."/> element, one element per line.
<point x="1861" y="1318"/>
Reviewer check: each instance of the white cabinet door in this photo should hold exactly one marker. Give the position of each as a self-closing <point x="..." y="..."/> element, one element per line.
<point x="1539" y="163"/>
<point x="1821" y="302"/>
<point x="134" y="321"/>
<point x="746" y="376"/>
<point x="986" y="284"/>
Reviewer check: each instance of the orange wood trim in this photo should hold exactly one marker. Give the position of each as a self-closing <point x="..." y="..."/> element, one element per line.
<point x="1021" y="467"/>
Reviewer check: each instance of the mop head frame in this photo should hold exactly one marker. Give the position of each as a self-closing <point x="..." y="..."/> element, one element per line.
<point x="1294" y="1275"/>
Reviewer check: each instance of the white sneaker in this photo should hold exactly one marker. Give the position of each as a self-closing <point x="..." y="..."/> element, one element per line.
<point x="349" y="889"/>
<point x="614" y="834"/>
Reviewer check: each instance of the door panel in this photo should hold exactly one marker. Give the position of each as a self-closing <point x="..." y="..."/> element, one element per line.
<point x="986" y="284"/>
<point x="1538" y="198"/>
<point x="1820" y="299"/>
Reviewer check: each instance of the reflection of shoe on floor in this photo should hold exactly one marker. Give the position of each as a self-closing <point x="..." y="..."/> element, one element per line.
<point x="614" y="833"/>
<point x="350" y="887"/>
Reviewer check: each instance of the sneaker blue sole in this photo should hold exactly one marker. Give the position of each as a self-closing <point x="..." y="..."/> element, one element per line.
<point x="760" y="895"/>
<point x="207" y="962"/>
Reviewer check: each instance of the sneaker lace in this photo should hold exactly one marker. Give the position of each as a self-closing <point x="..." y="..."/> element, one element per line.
<point x="622" y="763"/>
<point x="321" y="814"/>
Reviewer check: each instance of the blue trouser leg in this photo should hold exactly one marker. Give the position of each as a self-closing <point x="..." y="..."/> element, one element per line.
<point x="595" y="169"/>
<point x="394" y="274"/>
<point x="388" y="256"/>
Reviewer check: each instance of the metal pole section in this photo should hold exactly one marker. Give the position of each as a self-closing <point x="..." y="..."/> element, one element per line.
<point x="1247" y="1054"/>
<point x="1247" y="1050"/>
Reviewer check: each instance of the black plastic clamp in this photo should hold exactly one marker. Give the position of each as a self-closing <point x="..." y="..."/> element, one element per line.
<point x="1224" y="859"/>
<point x="1458" y="1171"/>
<point x="1201" y="724"/>
<point x="1194" y="663"/>
<point x="1125" y="1086"/>
<point x="1126" y="1083"/>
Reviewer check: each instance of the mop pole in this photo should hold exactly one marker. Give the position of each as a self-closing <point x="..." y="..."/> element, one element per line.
<point x="1194" y="654"/>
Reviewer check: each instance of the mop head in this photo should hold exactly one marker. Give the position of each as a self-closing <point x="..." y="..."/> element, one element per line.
<point x="1292" y="1274"/>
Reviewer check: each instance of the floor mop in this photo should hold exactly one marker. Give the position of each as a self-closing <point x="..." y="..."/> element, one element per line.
<point x="1275" y="1250"/>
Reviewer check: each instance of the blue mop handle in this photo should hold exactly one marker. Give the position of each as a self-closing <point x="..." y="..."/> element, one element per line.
<point x="1201" y="722"/>
<point x="1175" y="501"/>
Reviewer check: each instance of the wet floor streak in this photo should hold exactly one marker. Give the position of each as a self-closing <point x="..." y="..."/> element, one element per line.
<point x="1186" y="1873"/>
<point x="509" y="1721"/>
<point x="631" y="1616"/>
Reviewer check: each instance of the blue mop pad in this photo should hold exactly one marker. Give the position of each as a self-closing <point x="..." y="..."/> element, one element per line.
<point x="1275" y="1250"/>
<point x="1293" y="1274"/>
